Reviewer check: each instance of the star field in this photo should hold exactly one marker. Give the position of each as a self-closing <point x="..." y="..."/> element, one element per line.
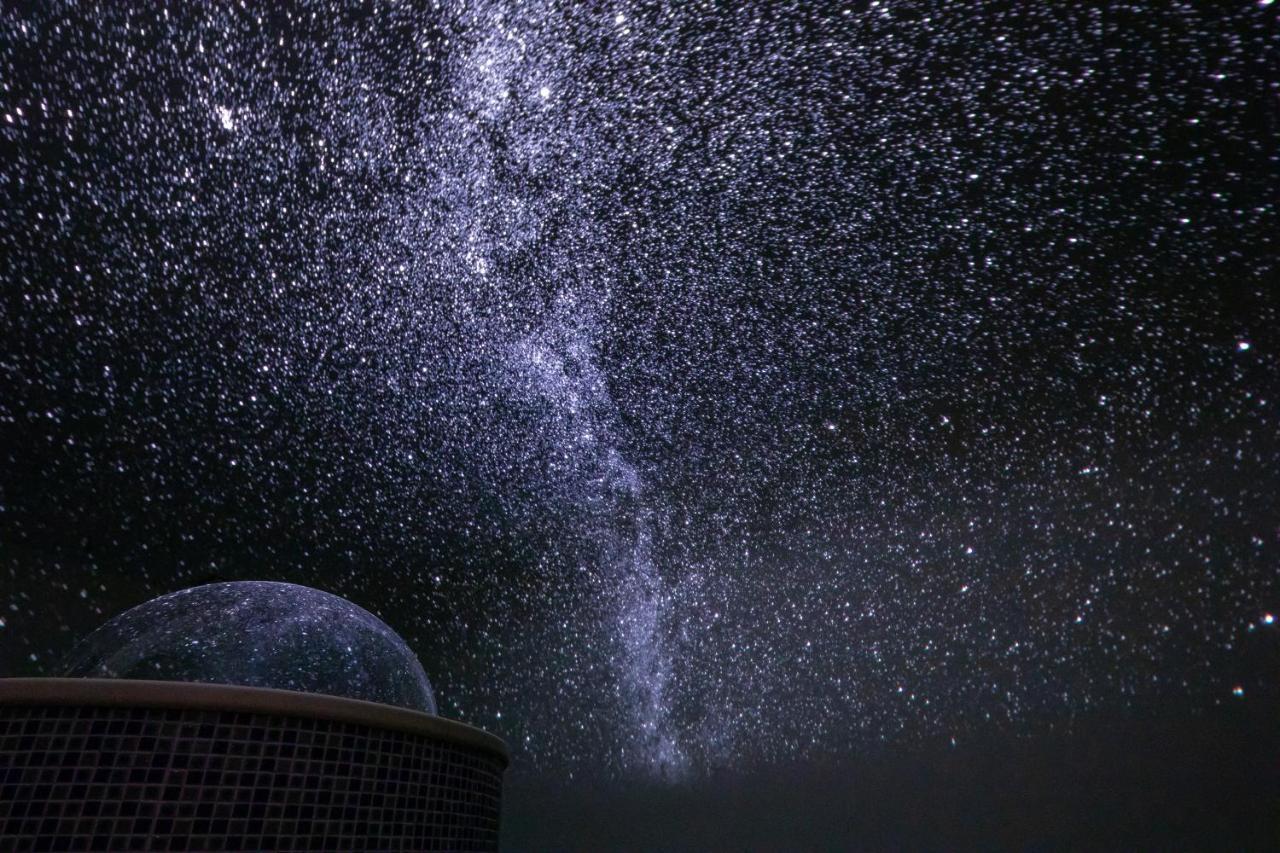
<point x="692" y="385"/>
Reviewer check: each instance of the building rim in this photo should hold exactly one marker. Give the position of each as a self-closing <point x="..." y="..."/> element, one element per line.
<point x="200" y="696"/>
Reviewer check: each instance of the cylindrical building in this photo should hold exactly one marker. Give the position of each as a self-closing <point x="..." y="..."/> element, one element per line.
<point x="116" y="764"/>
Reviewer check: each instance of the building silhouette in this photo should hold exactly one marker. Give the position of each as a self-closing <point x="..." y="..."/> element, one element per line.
<point x="117" y="764"/>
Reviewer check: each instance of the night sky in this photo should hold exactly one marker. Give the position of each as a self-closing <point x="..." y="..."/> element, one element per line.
<point x="700" y="388"/>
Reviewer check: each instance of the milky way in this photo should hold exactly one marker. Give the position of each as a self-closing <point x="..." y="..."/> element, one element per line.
<point x="691" y="385"/>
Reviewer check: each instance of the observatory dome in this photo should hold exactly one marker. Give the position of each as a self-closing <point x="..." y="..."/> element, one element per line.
<point x="258" y="634"/>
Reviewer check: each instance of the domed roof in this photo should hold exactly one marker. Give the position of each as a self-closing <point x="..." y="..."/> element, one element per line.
<point x="258" y="634"/>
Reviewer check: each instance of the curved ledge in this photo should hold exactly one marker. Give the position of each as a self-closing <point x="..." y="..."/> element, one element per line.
<point x="186" y="695"/>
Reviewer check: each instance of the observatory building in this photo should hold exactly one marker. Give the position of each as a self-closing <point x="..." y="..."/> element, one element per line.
<point x="242" y="716"/>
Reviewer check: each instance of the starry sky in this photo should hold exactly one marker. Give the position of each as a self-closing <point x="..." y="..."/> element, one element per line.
<point x="694" y="385"/>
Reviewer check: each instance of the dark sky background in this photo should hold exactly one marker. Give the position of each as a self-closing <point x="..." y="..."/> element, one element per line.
<point x="727" y="401"/>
